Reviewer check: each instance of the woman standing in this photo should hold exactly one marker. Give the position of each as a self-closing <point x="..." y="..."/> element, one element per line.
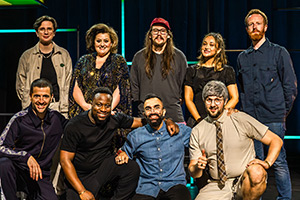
<point x="211" y="66"/>
<point x="102" y="67"/>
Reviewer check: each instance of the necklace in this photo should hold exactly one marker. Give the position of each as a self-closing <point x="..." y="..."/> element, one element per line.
<point x="48" y="56"/>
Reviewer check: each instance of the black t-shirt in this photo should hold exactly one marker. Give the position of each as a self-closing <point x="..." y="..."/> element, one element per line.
<point x="49" y="73"/>
<point x="197" y="78"/>
<point x="91" y="143"/>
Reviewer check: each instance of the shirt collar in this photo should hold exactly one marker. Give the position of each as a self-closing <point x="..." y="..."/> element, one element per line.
<point x="35" y="119"/>
<point x="37" y="48"/>
<point x="221" y="119"/>
<point x="261" y="48"/>
<point x="151" y="130"/>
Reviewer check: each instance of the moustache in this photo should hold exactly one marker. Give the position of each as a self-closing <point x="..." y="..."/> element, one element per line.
<point x="153" y="115"/>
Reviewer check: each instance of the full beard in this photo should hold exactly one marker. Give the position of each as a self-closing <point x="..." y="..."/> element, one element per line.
<point x="215" y="115"/>
<point x="256" y="36"/>
<point x="156" y="122"/>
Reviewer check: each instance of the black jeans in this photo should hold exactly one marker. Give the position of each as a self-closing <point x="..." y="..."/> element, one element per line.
<point x="177" y="192"/>
<point x="13" y="178"/>
<point x="127" y="175"/>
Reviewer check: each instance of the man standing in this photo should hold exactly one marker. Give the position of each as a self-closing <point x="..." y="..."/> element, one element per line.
<point x="45" y="60"/>
<point x="159" y="68"/>
<point x="28" y="144"/>
<point x="268" y="89"/>
<point x="87" y="156"/>
<point x="225" y="144"/>
<point x="159" y="155"/>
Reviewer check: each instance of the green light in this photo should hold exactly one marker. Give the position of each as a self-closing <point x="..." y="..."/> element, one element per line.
<point x="292" y="137"/>
<point x="123" y="28"/>
<point x="192" y="62"/>
<point x="33" y="31"/>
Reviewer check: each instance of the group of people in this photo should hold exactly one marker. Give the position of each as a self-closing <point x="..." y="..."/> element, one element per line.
<point x="90" y="105"/>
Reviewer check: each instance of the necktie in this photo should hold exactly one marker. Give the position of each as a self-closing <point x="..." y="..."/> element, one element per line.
<point x="220" y="154"/>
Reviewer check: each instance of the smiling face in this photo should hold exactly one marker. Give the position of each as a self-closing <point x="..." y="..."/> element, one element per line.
<point x="101" y="107"/>
<point x="214" y="106"/>
<point x="159" y="35"/>
<point x="40" y="100"/>
<point x="46" y="32"/>
<point x="209" y="47"/>
<point x="256" y="27"/>
<point x="154" y="112"/>
<point x="102" y="44"/>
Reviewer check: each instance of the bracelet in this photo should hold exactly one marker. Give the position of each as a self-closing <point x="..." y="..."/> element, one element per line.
<point x="80" y="193"/>
<point x="269" y="166"/>
<point x="119" y="151"/>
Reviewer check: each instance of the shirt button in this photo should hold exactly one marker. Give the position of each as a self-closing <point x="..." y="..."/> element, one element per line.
<point x="159" y="160"/>
<point x="160" y="170"/>
<point x="158" y="149"/>
<point x="157" y="138"/>
<point x="159" y="183"/>
<point x="254" y="64"/>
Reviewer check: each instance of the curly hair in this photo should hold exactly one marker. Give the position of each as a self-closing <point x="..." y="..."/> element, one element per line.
<point x="101" y="28"/>
<point x="220" y="58"/>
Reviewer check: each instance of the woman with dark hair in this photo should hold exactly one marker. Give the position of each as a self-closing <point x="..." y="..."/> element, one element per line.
<point x="101" y="67"/>
<point x="212" y="65"/>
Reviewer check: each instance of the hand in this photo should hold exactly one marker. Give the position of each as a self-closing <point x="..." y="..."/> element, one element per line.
<point x="87" y="195"/>
<point x="87" y="106"/>
<point x="172" y="127"/>
<point x="34" y="169"/>
<point x="121" y="158"/>
<point x="113" y="112"/>
<point x="202" y="160"/>
<point x="260" y="162"/>
<point x="231" y="110"/>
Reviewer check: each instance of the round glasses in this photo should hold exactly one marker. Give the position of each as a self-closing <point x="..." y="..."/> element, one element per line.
<point x="217" y="101"/>
<point x="163" y="31"/>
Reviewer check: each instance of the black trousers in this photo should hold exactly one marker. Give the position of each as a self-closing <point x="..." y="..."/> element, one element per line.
<point x="127" y="175"/>
<point x="14" y="178"/>
<point x="177" y="192"/>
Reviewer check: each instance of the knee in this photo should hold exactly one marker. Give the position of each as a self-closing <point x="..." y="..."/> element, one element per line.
<point x="257" y="174"/>
<point x="134" y="168"/>
<point x="5" y="165"/>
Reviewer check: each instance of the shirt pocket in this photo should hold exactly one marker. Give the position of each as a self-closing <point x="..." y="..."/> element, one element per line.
<point x="267" y="74"/>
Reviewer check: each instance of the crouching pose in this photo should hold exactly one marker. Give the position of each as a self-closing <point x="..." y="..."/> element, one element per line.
<point x="225" y="145"/>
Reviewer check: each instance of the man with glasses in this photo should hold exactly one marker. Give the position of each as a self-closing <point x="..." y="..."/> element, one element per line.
<point x="224" y="144"/>
<point x="27" y="145"/>
<point x="45" y="60"/>
<point x="159" y="68"/>
<point x="159" y="155"/>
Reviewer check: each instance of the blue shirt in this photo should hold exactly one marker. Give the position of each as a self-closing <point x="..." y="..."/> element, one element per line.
<point x="267" y="81"/>
<point x="160" y="157"/>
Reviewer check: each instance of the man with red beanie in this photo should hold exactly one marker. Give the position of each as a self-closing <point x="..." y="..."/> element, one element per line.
<point x="159" y="68"/>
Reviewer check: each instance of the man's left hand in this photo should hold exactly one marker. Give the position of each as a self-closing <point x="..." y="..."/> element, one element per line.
<point x="260" y="162"/>
<point x="172" y="127"/>
<point x="34" y="168"/>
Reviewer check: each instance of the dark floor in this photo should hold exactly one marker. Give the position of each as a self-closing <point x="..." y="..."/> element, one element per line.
<point x="271" y="192"/>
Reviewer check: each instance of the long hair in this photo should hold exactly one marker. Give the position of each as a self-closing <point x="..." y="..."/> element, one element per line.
<point x="101" y="28"/>
<point x="168" y="55"/>
<point x="220" y="58"/>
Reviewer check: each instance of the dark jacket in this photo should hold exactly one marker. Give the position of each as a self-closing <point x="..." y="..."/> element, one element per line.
<point x="27" y="135"/>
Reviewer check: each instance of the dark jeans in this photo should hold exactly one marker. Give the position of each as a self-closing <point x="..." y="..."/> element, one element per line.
<point x="281" y="170"/>
<point x="13" y="179"/>
<point x="127" y="175"/>
<point x="177" y="192"/>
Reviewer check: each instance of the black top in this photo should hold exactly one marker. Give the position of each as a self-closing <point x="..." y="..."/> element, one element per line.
<point x="197" y="77"/>
<point x="49" y="73"/>
<point x="91" y="143"/>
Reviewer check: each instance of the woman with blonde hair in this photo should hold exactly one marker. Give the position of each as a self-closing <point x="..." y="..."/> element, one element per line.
<point x="212" y="65"/>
